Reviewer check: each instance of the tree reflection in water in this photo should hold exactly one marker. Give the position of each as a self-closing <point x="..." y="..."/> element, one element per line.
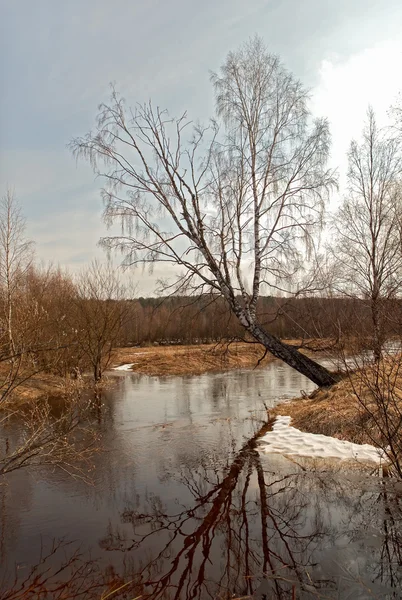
<point x="260" y="531"/>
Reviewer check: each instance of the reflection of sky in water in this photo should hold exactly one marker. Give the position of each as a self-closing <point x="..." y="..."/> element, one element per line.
<point x="172" y="446"/>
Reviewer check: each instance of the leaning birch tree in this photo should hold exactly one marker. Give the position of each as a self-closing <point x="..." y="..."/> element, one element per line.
<point x="235" y="203"/>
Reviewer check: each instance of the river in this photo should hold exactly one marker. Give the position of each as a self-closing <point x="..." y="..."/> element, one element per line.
<point x="183" y="506"/>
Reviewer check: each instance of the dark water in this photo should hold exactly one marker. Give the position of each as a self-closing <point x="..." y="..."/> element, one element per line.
<point x="184" y="506"/>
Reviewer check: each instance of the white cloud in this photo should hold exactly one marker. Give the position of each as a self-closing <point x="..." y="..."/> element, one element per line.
<point x="346" y="88"/>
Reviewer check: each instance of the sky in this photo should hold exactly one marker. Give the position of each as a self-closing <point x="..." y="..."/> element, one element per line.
<point x="58" y="58"/>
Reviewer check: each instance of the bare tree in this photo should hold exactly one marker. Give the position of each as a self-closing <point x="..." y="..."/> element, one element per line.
<point x="99" y="314"/>
<point x="42" y="340"/>
<point x="368" y="249"/>
<point x="378" y="392"/>
<point x="15" y="259"/>
<point x="66" y="441"/>
<point x="235" y="206"/>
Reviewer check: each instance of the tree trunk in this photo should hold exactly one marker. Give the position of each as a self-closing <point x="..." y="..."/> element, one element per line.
<point x="292" y="357"/>
<point x="9" y="317"/>
<point x="97" y="371"/>
<point x="377" y="328"/>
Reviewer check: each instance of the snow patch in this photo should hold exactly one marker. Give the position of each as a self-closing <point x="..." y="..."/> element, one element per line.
<point x="284" y="439"/>
<point x="126" y="367"/>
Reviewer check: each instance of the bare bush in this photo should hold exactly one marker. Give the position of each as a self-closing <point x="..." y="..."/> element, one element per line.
<point x="99" y="315"/>
<point x="57" y="434"/>
<point x="377" y="388"/>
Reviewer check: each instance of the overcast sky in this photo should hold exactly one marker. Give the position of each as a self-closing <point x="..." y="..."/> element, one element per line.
<point x="57" y="59"/>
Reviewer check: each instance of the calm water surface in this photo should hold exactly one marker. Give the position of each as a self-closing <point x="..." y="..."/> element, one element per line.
<point x="185" y="506"/>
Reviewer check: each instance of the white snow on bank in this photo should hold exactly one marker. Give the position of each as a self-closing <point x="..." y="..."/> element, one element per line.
<point x="126" y="367"/>
<point x="285" y="439"/>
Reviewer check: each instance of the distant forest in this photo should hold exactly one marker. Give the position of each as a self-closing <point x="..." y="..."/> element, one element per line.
<point x="207" y="319"/>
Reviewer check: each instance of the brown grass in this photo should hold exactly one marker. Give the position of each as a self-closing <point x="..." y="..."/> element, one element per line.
<point x="38" y="386"/>
<point x="191" y="360"/>
<point x="47" y="385"/>
<point x="338" y="411"/>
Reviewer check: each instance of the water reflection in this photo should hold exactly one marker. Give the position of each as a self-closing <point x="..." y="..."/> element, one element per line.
<point x="264" y="529"/>
<point x="184" y="506"/>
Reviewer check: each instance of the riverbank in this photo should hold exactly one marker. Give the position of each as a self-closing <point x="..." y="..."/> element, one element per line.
<point x="191" y="360"/>
<point x="203" y="358"/>
<point x="154" y="361"/>
<point x="361" y="408"/>
<point x="176" y="360"/>
<point x="44" y="385"/>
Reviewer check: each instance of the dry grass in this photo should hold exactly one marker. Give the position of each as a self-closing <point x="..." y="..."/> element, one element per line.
<point x="40" y="385"/>
<point x="343" y="411"/>
<point x="32" y="387"/>
<point x="46" y="385"/>
<point x="329" y="411"/>
<point x="191" y="360"/>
